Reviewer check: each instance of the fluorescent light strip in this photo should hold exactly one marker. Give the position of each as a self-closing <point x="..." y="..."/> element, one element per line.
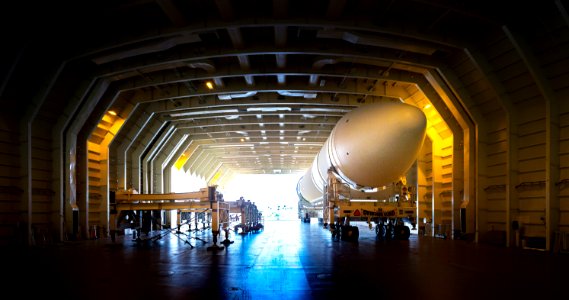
<point x="230" y="145"/>
<point x="363" y="200"/>
<point x="203" y="112"/>
<point x="309" y="144"/>
<point x="269" y="109"/>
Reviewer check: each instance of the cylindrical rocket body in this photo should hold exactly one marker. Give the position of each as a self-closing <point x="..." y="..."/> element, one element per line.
<point x="308" y="189"/>
<point x="371" y="146"/>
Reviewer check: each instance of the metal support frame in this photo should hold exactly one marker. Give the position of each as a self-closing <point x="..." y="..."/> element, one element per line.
<point x="206" y="200"/>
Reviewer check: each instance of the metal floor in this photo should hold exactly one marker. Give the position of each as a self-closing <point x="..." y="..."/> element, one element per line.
<point x="287" y="260"/>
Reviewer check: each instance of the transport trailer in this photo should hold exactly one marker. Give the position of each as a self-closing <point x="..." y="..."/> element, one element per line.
<point x="390" y="216"/>
<point x="362" y="165"/>
<point x="206" y="205"/>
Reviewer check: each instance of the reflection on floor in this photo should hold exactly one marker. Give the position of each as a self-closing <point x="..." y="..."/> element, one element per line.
<point x="287" y="260"/>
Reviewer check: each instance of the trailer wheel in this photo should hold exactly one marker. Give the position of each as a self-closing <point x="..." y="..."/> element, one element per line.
<point x="390" y="232"/>
<point x="349" y="233"/>
<point x="402" y="232"/>
<point x="381" y="231"/>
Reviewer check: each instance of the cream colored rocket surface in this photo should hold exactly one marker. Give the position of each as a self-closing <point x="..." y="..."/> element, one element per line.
<point x="370" y="147"/>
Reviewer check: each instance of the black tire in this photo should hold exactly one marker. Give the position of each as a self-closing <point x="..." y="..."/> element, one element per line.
<point x="402" y="232"/>
<point x="381" y="231"/>
<point x="349" y="233"/>
<point x="355" y="233"/>
<point x="390" y="232"/>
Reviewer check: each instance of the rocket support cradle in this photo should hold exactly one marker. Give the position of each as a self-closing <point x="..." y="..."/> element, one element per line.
<point x="369" y="149"/>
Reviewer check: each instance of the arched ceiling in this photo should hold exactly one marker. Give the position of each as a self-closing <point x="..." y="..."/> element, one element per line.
<point x="282" y="72"/>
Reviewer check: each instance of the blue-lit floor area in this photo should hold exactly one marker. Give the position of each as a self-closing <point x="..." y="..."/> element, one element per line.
<point x="287" y="260"/>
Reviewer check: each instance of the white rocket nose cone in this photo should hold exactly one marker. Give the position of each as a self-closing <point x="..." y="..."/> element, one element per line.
<point x="375" y="144"/>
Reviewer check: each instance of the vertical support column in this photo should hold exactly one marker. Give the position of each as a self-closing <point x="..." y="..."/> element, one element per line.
<point x="196" y="214"/>
<point x="437" y="187"/>
<point x="82" y="188"/>
<point x="214" y="205"/>
<point x="470" y="193"/>
<point x="552" y="201"/>
<point x="509" y="111"/>
<point x="104" y="191"/>
<point x="457" y="182"/>
<point x="156" y="219"/>
<point x="413" y="186"/>
<point x="552" y="133"/>
<point x="178" y="219"/>
<point x="167" y="218"/>
<point x="225" y="223"/>
<point x="424" y="186"/>
<point x="112" y="215"/>
<point x="512" y="208"/>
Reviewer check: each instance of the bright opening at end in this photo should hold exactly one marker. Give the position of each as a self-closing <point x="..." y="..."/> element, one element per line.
<point x="274" y="194"/>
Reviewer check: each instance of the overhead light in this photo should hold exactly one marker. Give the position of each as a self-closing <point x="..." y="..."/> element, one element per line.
<point x="427" y="106"/>
<point x="236" y="95"/>
<point x="230" y="145"/>
<point x="209" y="85"/>
<point x="204" y="112"/>
<point x="112" y="113"/>
<point x="269" y="109"/>
<point x="363" y="200"/>
<point x="318" y="109"/>
<point x="297" y="94"/>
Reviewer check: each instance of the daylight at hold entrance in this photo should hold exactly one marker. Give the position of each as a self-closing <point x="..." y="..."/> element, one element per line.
<point x="273" y="194"/>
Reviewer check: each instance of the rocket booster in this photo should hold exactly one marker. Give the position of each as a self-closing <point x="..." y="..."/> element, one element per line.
<point x="370" y="147"/>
